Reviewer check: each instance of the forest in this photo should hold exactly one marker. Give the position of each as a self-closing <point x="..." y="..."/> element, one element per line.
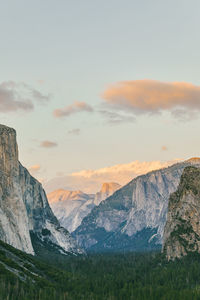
<point x="97" y="276"/>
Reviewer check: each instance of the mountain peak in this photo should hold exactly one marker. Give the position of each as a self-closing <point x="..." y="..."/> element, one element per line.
<point x="108" y="187"/>
<point x="61" y="195"/>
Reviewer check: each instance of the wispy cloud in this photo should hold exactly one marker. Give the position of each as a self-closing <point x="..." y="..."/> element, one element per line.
<point x="34" y="169"/>
<point x="114" y="118"/>
<point x="75" y="131"/>
<point x="19" y="96"/>
<point x="72" y="109"/>
<point x="152" y="96"/>
<point x="48" y="144"/>
<point x="164" y="148"/>
<point x="40" y="81"/>
<point x="90" y="181"/>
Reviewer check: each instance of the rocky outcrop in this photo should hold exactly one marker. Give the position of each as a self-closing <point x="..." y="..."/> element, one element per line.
<point x="182" y="229"/>
<point x="108" y="188"/>
<point x="70" y="207"/>
<point x="133" y="218"/>
<point x="24" y="208"/>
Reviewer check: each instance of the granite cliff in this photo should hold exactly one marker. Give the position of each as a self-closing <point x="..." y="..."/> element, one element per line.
<point x="182" y="229"/>
<point x="24" y="209"/>
<point x="133" y="218"/>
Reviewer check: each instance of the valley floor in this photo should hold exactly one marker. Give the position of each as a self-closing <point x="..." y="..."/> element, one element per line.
<point x="97" y="277"/>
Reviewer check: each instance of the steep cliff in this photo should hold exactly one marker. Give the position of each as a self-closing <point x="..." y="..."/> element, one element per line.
<point x="24" y="208"/>
<point x="133" y="218"/>
<point x="182" y="229"/>
<point x="14" y="223"/>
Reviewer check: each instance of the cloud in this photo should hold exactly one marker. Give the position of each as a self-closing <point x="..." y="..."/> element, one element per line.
<point x="152" y="96"/>
<point x="72" y="109"/>
<point x="90" y="181"/>
<point x="40" y="81"/>
<point x="164" y="148"/>
<point x="38" y="96"/>
<point x="114" y="118"/>
<point x="48" y="144"/>
<point x="34" y="169"/>
<point x="19" y="96"/>
<point x="75" y="131"/>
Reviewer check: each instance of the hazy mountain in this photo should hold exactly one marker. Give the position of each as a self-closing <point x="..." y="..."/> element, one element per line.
<point x="70" y="207"/>
<point x="133" y="218"/>
<point x="24" y="209"/>
<point x="182" y="229"/>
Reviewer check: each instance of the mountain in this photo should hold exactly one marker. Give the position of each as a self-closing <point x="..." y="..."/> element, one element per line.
<point x="133" y="218"/>
<point x="182" y="229"/>
<point x="70" y="207"/>
<point x="25" y="215"/>
<point x="107" y="190"/>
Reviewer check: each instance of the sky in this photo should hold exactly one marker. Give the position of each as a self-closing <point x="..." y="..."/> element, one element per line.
<point x="91" y="85"/>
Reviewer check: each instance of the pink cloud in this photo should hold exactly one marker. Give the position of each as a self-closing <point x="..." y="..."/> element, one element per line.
<point x="34" y="169"/>
<point x="164" y="148"/>
<point x="72" y="109"/>
<point x="90" y="181"/>
<point x="152" y="96"/>
<point x="48" y="144"/>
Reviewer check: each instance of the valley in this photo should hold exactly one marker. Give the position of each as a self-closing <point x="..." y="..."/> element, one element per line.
<point x="138" y="241"/>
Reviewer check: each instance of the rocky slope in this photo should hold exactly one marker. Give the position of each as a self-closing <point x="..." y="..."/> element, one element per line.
<point x="133" y="218"/>
<point x="70" y="207"/>
<point x="182" y="229"/>
<point x="24" y="209"/>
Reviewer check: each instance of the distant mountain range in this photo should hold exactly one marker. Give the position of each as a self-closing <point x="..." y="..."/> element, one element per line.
<point x="128" y="218"/>
<point x="70" y="207"/>
<point x="133" y="218"/>
<point x="25" y="214"/>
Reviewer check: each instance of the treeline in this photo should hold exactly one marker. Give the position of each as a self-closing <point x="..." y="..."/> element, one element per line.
<point x="96" y="277"/>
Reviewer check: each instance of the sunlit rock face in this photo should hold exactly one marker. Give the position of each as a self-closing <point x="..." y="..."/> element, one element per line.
<point x="107" y="190"/>
<point x="23" y="204"/>
<point x="14" y="225"/>
<point x="133" y="218"/>
<point x="182" y="229"/>
<point x="70" y="207"/>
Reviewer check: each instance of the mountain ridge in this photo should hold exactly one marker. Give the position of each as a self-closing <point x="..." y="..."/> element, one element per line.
<point x="71" y="207"/>
<point x="136" y="211"/>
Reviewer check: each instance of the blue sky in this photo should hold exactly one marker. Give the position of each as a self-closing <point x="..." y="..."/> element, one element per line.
<point x="74" y="51"/>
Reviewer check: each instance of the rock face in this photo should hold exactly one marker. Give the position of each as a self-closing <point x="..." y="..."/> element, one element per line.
<point x="133" y="218"/>
<point x="14" y="225"/>
<point x="24" y="208"/>
<point x="107" y="190"/>
<point x="70" y="207"/>
<point x="182" y="229"/>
